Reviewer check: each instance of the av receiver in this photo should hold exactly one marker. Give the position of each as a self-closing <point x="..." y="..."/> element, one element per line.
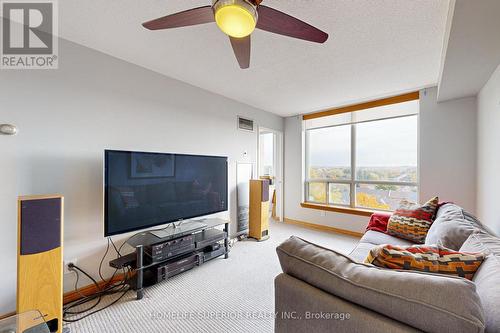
<point x="170" y="249"/>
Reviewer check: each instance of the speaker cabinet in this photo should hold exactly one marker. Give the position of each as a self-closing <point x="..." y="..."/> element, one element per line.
<point x="259" y="209"/>
<point x="40" y="257"/>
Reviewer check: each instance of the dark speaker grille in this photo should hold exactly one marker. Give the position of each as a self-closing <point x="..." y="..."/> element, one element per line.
<point x="40" y="225"/>
<point x="265" y="190"/>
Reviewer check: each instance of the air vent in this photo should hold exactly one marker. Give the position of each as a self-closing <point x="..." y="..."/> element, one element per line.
<point x="245" y="124"/>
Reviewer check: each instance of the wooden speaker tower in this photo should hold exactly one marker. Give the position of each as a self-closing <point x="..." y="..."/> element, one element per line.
<point x="40" y="257"/>
<point x="259" y="209"/>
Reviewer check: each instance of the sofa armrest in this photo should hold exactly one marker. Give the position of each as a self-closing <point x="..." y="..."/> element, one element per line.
<point x="429" y="302"/>
<point x="300" y="307"/>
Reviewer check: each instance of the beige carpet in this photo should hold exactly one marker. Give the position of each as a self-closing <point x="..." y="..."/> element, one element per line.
<point x="223" y="295"/>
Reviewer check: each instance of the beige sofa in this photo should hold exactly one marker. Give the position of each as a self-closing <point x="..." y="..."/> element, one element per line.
<point x="321" y="290"/>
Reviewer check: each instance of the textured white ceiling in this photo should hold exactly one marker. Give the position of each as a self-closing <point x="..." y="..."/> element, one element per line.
<point x="376" y="48"/>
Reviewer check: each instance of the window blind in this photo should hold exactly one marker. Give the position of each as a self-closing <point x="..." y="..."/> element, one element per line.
<point x="408" y="108"/>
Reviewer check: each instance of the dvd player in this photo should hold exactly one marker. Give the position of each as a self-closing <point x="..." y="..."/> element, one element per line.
<point x="175" y="267"/>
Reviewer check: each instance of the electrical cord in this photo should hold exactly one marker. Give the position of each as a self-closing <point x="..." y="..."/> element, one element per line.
<point x="123" y="287"/>
<point x="102" y="260"/>
<point x="98" y="310"/>
<point x="100" y="289"/>
<point x="108" y="282"/>
<point x="114" y="246"/>
<point x="76" y="283"/>
<point x="86" y="298"/>
<point x="77" y="303"/>
<point x="107" y="289"/>
<point x="98" y="296"/>
<point x="73" y="266"/>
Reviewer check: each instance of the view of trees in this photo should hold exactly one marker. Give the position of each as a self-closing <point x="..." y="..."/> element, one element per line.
<point x="340" y="194"/>
<point x="375" y="196"/>
<point x="330" y="173"/>
<point x="398" y="174"/>
<point x="317" y="192"/>
<point x="370" y="201"/>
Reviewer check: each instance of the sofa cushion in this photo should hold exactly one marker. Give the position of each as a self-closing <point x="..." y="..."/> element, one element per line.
<point x="487" y="278"/>
<point x="429" y="302"/>
<point x="411" y="221"/>
<point x="451" y="228"/>
<point x="426" y="258"/>
<point x="361" y="250"/>
<point x="294" y="296"/>
<point x="371" y="239"/>
<point x="475" y="221"/>
<point x="379" y="238"/>
<point x="481" y="241"/>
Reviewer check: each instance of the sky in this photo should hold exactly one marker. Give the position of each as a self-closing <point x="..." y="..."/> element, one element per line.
<point x="381" y="143"/>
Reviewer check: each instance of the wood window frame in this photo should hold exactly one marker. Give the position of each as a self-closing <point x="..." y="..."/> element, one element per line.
<point x="352" y="209"/>
<point x="363" y="106"/>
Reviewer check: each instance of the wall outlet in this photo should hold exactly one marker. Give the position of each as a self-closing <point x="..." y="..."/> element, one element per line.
<point x="67" y="262"/>
<point x="323" y="213"/>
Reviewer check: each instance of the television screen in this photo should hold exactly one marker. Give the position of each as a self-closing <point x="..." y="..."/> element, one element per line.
<point x="143" y="190"/>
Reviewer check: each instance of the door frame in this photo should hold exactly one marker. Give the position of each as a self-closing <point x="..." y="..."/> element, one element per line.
<point x="278" y="164"/>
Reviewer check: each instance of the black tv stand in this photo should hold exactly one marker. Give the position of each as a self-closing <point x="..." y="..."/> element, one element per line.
<point x="145" y="266"/>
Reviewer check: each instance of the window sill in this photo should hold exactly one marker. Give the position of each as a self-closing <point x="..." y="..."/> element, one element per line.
<point x="338" y="209"/>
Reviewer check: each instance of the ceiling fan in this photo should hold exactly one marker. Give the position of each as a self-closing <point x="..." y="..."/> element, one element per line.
<point x="238" y="19"/>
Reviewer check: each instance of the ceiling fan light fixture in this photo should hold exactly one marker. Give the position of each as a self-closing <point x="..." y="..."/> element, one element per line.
<point x="236" y="18"/>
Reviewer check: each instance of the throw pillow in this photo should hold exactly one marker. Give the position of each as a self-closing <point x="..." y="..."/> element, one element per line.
<point x="411" y="221"/>
<point x="426" y="258"/>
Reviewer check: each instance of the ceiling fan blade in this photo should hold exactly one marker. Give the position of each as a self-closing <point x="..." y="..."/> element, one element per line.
<point x="273" y="20"/>
<point x="241" y="48"/>
<point x="186" y="18"/>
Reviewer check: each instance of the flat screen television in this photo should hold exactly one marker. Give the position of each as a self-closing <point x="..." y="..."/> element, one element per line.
<point x="143" y="190"/>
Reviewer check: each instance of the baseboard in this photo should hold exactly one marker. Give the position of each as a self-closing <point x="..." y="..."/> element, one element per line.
<point x="88" y="290"/>
<point x="6" y="315"/>
<point x="76" y="295"/>
<point x="321" y="227"/>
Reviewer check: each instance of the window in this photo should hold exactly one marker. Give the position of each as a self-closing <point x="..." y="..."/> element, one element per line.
<point x="266" y="151"/>
<point x="363" y="159"/>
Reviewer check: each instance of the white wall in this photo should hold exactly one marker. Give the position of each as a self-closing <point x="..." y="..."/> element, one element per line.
<point x="67" y="117"/>
<point x="447" y="160"/>
<point x="448" y="149"/>
<point x="488" y="179"/>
